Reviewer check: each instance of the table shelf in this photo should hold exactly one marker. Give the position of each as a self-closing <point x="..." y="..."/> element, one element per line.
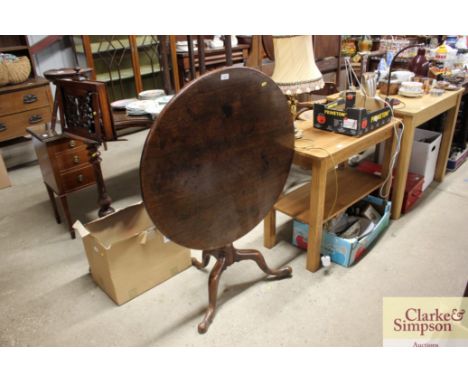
<point x="328" y="194"/>
<point x="353" y="185"/>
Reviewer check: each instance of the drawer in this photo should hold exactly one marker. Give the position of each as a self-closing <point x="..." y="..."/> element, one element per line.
<point x="72" y="158"/>
<point x="66" y="144"/>
<point x="13" y="126"/>
<point x="76" y="179"/>
<point x="28" y="99"/>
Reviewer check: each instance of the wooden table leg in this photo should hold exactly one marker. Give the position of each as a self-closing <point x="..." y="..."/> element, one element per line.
<point x="447" y="136"/>
<point x="53" y="202"/>
<point x="389" y="151"/>
<point x="269" y="229"/>
<point x="402" y="167"/>
<point x="317" y="205"/>
<point x="66" y="212"/>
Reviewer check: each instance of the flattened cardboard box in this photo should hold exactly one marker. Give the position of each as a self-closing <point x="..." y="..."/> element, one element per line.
<point x="127" y="255"/>
<point x="4" y="179"/>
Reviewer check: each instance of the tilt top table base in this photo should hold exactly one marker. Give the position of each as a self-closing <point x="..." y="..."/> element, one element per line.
<point x="225" y="257"/>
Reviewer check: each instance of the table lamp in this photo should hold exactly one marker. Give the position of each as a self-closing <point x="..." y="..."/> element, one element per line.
<point x="394" y="101"/>
<point x="295" y="70"/>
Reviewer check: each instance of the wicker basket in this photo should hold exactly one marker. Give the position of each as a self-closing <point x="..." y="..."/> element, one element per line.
<point x="18" y="70"/>
<point x="3" y="74"/>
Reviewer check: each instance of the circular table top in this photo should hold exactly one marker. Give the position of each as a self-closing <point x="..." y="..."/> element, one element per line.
<point x="55" y="74"/>
<point x="217" y="158"/>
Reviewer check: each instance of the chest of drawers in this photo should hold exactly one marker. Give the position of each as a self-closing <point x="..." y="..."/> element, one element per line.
<point x="65" y="167"/>
<point x="24" y="105"/>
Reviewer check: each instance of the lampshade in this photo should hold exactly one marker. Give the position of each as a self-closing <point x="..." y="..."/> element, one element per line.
<point x="295" y="69"/>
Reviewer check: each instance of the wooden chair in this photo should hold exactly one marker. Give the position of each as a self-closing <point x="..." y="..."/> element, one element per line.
<point x="327" y="52"/>
<point x="196" y="57"/>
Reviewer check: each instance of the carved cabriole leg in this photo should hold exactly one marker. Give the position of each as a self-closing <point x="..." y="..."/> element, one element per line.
<point x="104" y="199"/>
<point x="205" y="260"/>
<point x="252" y="254"/>
<point x="225" y="257"/>
<point x="213" y="283"/>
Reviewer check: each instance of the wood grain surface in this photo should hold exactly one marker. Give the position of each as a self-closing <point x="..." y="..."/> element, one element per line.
<point x="217" y="158"/>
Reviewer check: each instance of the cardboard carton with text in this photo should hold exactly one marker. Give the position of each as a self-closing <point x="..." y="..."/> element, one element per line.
<point x="127" y="255"/>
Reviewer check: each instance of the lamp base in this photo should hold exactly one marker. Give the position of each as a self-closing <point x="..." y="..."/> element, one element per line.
<point x="293" y="102"/>
<point x="393" y="101"/>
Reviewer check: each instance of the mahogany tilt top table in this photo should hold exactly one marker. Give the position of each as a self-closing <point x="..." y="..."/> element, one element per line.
<point x="214" y="163"/>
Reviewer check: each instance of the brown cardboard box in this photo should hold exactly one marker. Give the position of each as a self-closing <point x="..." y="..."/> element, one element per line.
<point x="4" y="179"/>
<point x="128" y="255"/>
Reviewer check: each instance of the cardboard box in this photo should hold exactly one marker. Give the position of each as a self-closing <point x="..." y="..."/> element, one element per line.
<point x="424" y="155"/>
<point x="345" y="251"/>
<point x="127" y="255"/>
<point x="453" y="164"/>
<point x="4" y="179"/>
<point x="353" y="116"/>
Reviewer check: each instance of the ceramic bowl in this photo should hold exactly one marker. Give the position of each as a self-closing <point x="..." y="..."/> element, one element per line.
<point x="151" y="94"/>
<point x="411" y="87"/>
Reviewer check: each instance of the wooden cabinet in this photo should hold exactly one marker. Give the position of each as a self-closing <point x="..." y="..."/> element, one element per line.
<point x="127" y="64"/>
<point x="65" y="168"/>
<point x="25" y="104"/>
<point x="19" y="46"/>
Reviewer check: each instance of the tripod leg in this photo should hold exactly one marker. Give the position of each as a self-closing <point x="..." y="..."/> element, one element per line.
<point x="201" y="264"/>
<point x="252" y="254"/>
<point x="213" y="282"/>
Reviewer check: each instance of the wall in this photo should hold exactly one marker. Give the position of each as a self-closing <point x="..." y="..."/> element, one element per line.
<point x="58" y="55"/>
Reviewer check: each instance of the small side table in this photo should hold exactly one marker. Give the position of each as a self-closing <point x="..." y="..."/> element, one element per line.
<point x="65" y="168"/>
<point x="325" y="197"/>
<point x="414" y="112"/>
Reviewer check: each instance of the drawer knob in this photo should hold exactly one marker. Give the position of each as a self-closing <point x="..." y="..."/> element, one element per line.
<point x="76" y="159"/>
<point x="80" y="178"/>
<point x="72" y="143"/>
<point x="2" y="127"/>
<point x="29" y="98"/>
<point x="35" y="118"/>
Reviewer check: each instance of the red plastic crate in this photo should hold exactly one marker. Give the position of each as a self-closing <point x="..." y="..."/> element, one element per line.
<point x="413" y="188"/>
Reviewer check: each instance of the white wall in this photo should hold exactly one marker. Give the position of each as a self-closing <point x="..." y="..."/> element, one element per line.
<point x="56" y="56"/>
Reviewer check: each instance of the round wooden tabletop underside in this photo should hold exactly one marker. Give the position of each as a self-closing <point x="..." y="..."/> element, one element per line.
<point x="217" y="158"/>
